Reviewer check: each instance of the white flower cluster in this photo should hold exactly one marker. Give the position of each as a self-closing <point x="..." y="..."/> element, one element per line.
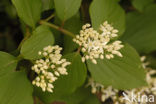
<point x="109" y="92"/>
<point x="149" y="76"/>
<point x="106" y="92"/>
<point x="49" y="67"/>
<point x="97" y="45"/>
<point x="144" y="63"/>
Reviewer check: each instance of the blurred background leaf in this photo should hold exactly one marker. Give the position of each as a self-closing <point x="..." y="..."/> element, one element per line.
<point x="140" y="31"/>
<point x="140" y="5"/>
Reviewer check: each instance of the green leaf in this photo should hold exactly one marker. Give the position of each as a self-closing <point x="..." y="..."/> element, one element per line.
<point x="80" y="96"/>
<point x="107" y="10"/>
<point x="77" y="97"/>
<point x="66" y="85"/>
<point x="47" y="4"/>
<point x="117" y="0"/>
<point x="74" y="25"/>
<point x="76" y="77"/>
<point x="141" y="35"/>
<point x="28" y="10"/>
<point x="141" y="4"/>
<point x="120" y="72"/>
<point x="15" y="89"/>
<point x="92" y="99"/>
<point x="41" y="38"/>
<point x="8" y="63"/>
<point x="65" y="9"/>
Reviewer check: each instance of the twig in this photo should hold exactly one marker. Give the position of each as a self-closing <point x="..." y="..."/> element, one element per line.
<point x="25" y="38"/>
<point x="66" y="32"/>
<point x="49" y="18"/>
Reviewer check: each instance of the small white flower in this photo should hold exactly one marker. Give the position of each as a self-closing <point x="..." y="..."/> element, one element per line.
<point x="95" y="45"/>
<point x="106" y="92"/>
<point x="83" y="59"/>
<point x="103" y="97"/>
<point x="39" y="52"/>
<point x="49" y="68"/>
<point x="94" y="61"/>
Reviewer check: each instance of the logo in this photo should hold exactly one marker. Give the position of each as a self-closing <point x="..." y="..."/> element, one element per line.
<point x="138" y="98"/>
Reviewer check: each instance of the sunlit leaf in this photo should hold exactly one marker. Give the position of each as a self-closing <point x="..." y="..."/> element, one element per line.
<point x="28" y="10"/>
<point x="107" y="10"/>
<point x="41" y="38"/>
<point x="65" y="9"/>
<point x="120" y="72"/>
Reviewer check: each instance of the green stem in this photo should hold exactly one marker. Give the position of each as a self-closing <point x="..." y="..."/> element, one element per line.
<point x="50" y="17"/>
<point x="20" y="57"/>
<point x="25" y="38"/>
<point x="57" y="28"/>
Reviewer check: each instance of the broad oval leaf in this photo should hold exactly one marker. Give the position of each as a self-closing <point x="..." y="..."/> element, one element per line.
<point x="77" y="97"/>
<point x="76" y="77"/>
<point x="143" y="34"/>
<point x="120" y="72"/>
<point x="15" y="89"/>
<point x="67" y="84"/>
<point x="8" y="63"/>
<point x="92" y="99"/>
<point x="66" y="8"/>
<point x="28" y="10"/>
<point x="41" y="38"/>
<point x="82" y="95"/>
<point x="107" y="10"/>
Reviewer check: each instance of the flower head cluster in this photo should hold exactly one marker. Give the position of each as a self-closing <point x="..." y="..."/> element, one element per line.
<point x="109" y="92"/>
<point x="49" y="68"/>
<point x="97" y="45"/>
<point x="106" y="92"/>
